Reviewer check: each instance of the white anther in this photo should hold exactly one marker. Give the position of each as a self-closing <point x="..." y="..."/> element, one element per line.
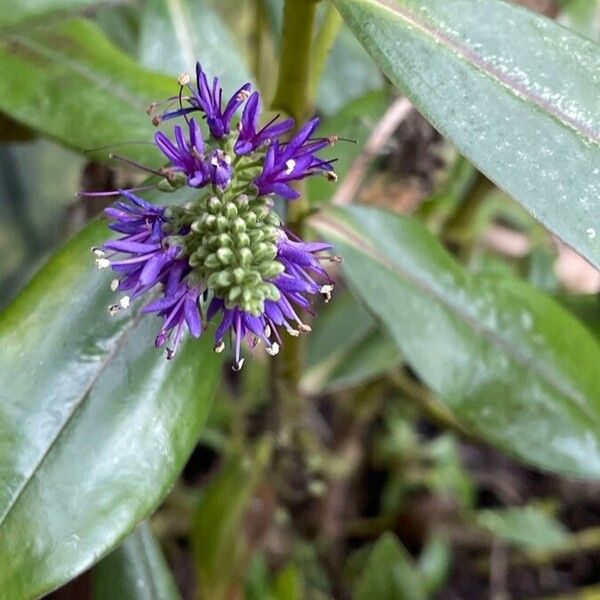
<point x="114" y="285"/>
<point x="238" y="365"/>
<point x="336" y="259"/>
<point x="273" y="349"/>
<point x="98" y="252"/>
<point x="293" y="332"/>
<point x="183" y="79"/>
<point x="290" y="164"/>
<point x="243" y="95"/>
<point x="124" y="302"/>
<point x="113" y="309"/>
<point x="102" y="263"/>
<point x="267" y="331"/>
<point x="331" y="175"/>
<point x="220" y="347"/>
<point x="304" y="327"/>
<point x="326" y="291"/>
<point x="170" y="353"/>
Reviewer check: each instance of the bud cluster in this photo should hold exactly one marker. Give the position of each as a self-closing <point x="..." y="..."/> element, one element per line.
<point x="227" y="249"/>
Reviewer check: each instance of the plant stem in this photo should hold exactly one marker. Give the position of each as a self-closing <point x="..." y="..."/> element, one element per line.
<point x="293" y="84"/>
<point x="293" y="97"/>
<point x="324" y="40"/>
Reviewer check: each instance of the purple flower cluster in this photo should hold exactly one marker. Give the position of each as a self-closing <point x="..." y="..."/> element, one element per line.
<point x="228" y="249"/>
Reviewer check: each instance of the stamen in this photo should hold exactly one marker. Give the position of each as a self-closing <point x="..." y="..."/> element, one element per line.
<point x="243" y="95"/>
<point x="326" y="291"/>
<point x="290" y="164"/>
<point x="304" y="327"/>
<point x="102" y="263"/>
<point x="238" y="365"/>
<point x="113" y="309"/>
<point x="267" y="331"/>
<point x="183" y="79"/>
<point x="124" y="302"/>
<point x="331" y="175"/>
<point x="114" y="285"/>
<point x="98" y="252"/>
<point x="273" y="349"/>
<point x="219" y="347"/>
<point x="293" y="332"/>
<point x="170" y="353"/>
<point x="336" y="259"/>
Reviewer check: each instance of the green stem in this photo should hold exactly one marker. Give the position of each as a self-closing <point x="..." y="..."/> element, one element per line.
<point x="293" y="97"/>
<point x="324" y="40"/>
<point x="293" y="84"/>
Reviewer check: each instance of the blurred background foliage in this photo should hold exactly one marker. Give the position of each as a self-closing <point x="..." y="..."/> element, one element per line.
<point x="392" y="497"/>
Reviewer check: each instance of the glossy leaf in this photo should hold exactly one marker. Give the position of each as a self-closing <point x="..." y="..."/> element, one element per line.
<point x="349" y="74"/>
<point x="390" y="574"/>
<point x="507" y="360"/>
<point x="177" y="33"/>
<point x="94" y="423"/>
<point x="19" y="12"/>
<point x="70" y="83"/>
<point x="337" y="361"/>
<point x="527" y="527"/>
<point x="136" y="570"/>
<point x="523" y="107"/>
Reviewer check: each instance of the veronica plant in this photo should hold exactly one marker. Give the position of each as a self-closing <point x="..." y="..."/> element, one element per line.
<point x="225" y="256"/>
<point x="95" y="426"/>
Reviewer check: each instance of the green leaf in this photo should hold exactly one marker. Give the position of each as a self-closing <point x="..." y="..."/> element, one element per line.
<point x="219" y="543"/>
<point x="582" y="16"/>
<point x="288" y="584"/>
<point x="94" y="423"/>
<point x="70" y="83"/>
<point x="507" y="360"/>
<point x="136" y="570"/>
<point x="349" y="74"/>
<point x="523" y="108"/>
<point x="390" y="574"/>
<point x="435" y="563"/>
<point x="177" y="33"/>
<point x="527" y="527"/>
<point x="355" y="121"/>
<point x="337" y="362"/>
<point x="20" y="13"/>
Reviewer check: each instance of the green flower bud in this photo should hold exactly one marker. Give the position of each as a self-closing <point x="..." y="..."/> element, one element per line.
<point x="244" y="257"/>
<point x="238" y="225"/>
<point x="230" y="211"/>
<point x="239" y="275"/>
<point x="212" y="261"/>
<point x="225" y="255"/>
<point x="270" y="269"/>
<point x="242" y="240"/>
<point x="214" y="206"/>
<point x="222" y="224"/>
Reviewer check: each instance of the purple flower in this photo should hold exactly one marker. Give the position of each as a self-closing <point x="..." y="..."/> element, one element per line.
<point x="208" y="99"/>
<point x="249" y="139"/>
<point x="303" y="276"/>
<point x="178" y="307"/>
<point x="219" y="168"/>
<point x="148" y="256"/>
<point x="293" y="161"/>
<point x="188" y="155"/>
